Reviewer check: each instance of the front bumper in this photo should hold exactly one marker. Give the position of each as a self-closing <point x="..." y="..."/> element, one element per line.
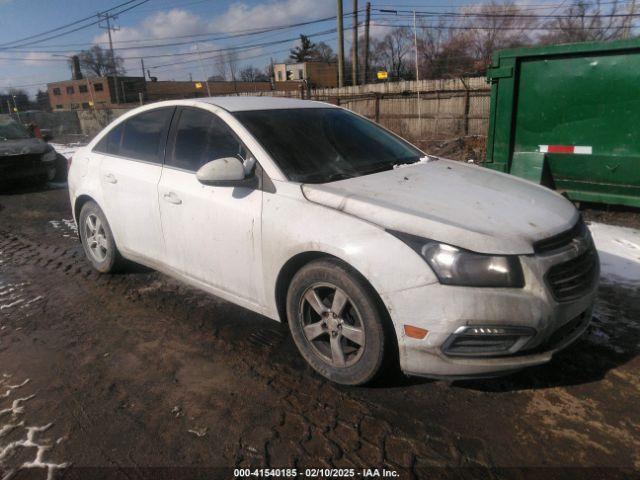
<point x="442" y="310"/>
<point x="24" y="167"/>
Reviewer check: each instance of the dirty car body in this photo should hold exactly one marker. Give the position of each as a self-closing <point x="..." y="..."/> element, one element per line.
<point x="476" y="272"/>
<point x="22" y="156"/>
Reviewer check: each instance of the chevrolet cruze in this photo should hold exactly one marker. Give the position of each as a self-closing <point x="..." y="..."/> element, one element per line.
<point x="371" y="250"/>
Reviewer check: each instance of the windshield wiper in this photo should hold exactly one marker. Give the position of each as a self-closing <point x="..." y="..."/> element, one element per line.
<point x="322" y="178"/>
<point x="378" y="169"/>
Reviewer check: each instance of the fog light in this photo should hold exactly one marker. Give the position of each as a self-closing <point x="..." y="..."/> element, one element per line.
<point x="487" y="341"/>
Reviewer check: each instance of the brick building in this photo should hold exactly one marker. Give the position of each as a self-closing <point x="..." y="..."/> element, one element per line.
<point x="97" y="92"/>
<point x="170" y="90"/>
<point x="316" y="74"/>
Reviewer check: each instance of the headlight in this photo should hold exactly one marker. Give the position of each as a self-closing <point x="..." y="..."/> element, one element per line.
<point x="49" y="156"/>
<point x="455" y="266"/>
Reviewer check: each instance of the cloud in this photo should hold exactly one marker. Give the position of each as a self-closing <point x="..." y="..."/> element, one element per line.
<point x="240" y="16"/>
<point x="165" y="26"/>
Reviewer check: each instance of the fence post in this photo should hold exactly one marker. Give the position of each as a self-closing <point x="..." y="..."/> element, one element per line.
<point x="467" y="107"/>
<point x="377" y="108"/>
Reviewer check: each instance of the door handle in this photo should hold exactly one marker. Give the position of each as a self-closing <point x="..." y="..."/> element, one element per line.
<point x="110" y="178"/>
<point x="172" y="198"/>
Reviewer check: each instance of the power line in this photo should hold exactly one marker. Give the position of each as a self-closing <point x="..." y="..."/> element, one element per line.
<point x="407" y="13"/>
<point x="218" y="51"/>
<point x="65" y="26"/>
<point x="82" y="27"/>
<point x="230" y="35"/>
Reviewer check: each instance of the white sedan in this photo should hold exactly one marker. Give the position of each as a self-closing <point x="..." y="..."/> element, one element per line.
<point x="375" y="253"/>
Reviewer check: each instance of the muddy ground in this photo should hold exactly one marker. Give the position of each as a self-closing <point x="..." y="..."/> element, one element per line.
<point x="136" y="376"/>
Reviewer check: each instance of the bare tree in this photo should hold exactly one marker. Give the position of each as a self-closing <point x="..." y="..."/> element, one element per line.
<point x="253" y="74"/>
<point x="497" y="25"/>
<point x="226" y="65"/>
<point x="586" y="21"/>
<point x="444" y="52"/>
<point x="323" y="53"/>
<point x="232" y="62"/>
<point x="96" y="62"/>
<point x="393" y="52"/>
<point x="221" y="67"/>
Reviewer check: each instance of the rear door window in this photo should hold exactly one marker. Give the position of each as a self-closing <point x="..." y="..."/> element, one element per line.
<point x="110" y="143"/>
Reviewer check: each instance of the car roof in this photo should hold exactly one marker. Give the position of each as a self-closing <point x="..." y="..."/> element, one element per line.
<point x="244" y="103"/>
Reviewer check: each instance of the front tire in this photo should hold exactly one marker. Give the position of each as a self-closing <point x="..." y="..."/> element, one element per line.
<point x="97" y="239"/>
<point x="337" y="322"/>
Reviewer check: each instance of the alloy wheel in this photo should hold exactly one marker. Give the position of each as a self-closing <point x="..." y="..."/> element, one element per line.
<point x="96" y="237"/>
<point x="332" y="325"/>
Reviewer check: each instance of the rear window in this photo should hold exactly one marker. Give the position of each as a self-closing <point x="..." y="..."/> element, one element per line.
<point x="141" y="137"/>
<point x="110" y="143"/>
<point x="144" y="134"/>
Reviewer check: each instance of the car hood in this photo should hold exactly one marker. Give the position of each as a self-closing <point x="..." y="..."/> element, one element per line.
<point x="22" y="147"/>
<point x="463" y="205"/>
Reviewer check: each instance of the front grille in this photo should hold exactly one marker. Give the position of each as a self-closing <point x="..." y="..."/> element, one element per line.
<point x="572" y="279"/>
<point x="561" y="334"/>
<point x="579" y="230"/>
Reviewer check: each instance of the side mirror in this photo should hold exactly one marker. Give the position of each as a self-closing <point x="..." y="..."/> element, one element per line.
<point x="227" y="171"/>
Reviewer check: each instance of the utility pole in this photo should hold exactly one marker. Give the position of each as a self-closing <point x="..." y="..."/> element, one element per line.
<point x="367" y="20"/>
<point x="415" y="44"/>
<point x="108" y="17"/>
<point x="629" y="20"/>
<point x="206" y="78"/>
<point x="354" y="46"/>
<point x="340" y="45"/>
<point x="142" y="66"/>
<point x="15" y="106"/>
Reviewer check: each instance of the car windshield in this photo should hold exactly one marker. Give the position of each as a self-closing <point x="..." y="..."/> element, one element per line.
<point x="320" y="145"/>
<point x="10" y="130"/>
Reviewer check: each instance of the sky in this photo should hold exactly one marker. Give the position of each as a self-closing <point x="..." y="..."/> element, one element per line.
<point x="167" y="21"/>
<point x="30" y="67"/>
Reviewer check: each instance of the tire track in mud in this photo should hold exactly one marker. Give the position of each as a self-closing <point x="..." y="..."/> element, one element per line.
<point x="315" y="423"/>
<point x="17" y="438"/>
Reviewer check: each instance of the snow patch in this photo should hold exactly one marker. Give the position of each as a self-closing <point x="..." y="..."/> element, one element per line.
<point x="28" y="440"/>
<point x="619" y="250"/>
<point x="66" y="225"/>
<point x="426" y="159"/>
<point x="66" y="149"/>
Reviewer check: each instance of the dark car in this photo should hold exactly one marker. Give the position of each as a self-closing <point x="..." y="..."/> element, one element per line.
<point x="24" y="157"/>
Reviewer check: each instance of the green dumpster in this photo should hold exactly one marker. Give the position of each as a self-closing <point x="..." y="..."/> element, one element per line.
<point x="568" y="116"/>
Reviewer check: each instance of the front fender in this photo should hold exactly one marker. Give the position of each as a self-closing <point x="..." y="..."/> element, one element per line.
<point x="386" y="262"/>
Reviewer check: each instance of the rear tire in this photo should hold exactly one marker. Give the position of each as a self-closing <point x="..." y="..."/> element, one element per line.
<point x="337" y="322"/>
<point x="97" y="239"/>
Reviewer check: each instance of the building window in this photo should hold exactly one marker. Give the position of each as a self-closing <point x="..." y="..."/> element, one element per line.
<point x="56" y="91"/>
<point x="70" y="90"/>
<point x="280" y="76"/>
<point x="58" y="107"/>
<point x="82" y="89"/>
<point x="75" y="106"/>
<point x="85" y="105"/>
<point x="300" y="75"/>
<point x="97" y="87"/>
